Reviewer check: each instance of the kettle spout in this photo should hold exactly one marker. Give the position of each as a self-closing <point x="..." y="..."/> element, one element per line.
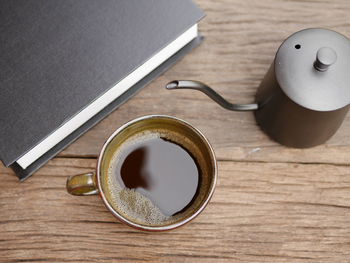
<point x="196" y="85"/>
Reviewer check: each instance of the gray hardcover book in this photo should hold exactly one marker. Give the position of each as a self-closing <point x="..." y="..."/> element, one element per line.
<point x="64" y="65"/>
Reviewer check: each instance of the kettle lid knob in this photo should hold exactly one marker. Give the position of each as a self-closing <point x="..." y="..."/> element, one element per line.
<point x="325" y="57"/>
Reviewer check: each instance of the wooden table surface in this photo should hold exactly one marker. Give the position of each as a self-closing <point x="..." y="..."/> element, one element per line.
<point x="271" y="204"/>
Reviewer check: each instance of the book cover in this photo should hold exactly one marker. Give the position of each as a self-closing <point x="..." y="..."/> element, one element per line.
<point x="57" y="57"/>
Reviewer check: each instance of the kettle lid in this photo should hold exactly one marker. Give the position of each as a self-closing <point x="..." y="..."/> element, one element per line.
<point x="312" y="67"/>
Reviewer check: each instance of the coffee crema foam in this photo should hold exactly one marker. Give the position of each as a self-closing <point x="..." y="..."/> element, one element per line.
<point x="131" y="204"/>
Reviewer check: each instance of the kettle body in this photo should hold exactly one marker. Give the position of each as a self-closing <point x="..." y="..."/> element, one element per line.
<point x="289" y="123"/>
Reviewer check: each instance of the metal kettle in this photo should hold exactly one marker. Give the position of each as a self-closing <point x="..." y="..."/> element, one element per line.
<point x="305" y="95"/>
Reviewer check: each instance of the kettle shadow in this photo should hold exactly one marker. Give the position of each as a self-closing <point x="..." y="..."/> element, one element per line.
<point x="133" y="171"/>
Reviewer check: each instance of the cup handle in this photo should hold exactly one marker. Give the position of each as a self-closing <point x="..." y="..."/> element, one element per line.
<point x="82" y="184"/>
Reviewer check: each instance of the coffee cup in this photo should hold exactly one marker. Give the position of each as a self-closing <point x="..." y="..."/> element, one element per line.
<point x="154" y="173"/>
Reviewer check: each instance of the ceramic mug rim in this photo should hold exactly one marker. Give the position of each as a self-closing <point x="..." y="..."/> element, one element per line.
<point x="164" y="227"/>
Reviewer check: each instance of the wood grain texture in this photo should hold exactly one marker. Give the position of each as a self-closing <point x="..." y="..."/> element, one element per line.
<point x="259" y="213"/>
<point x="272" y="203"/>
<point x="242" y="38"/>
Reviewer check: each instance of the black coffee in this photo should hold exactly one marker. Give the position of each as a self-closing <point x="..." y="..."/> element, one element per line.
<point x="160" y="170"/>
